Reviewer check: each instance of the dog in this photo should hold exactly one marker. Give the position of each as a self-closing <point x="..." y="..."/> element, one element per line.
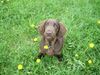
<point x="52" y="32"/>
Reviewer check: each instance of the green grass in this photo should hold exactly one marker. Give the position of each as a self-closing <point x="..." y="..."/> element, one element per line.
<point x="16" y="46"/>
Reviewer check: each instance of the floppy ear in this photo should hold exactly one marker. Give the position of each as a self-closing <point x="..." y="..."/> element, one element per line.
<point x="62" y="30"/>
<point x="42" y="27"/>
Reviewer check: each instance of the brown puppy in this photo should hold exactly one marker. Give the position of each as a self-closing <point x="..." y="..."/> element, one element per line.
<point x="52" y="33"/>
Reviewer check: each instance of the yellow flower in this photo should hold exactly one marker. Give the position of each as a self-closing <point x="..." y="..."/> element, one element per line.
<point x="90" y="61"/>
<point x="98" y="21"/>
<point x="38" y="60"/>
<point x="20" y="67"/>
<point x="46" y="47"/>
<point x="7" y="0"/>
<point x="2" y="1"/>
<point x="35" y="39"/>
<point x="33" y="26"/>
<point x="76" y="55"/>
<point x="91" y="45"/>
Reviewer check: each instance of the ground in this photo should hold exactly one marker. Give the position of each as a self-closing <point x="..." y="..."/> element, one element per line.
<point x="19" y="37"/>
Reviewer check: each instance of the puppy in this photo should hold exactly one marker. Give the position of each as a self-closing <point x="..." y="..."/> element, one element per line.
<point x="52" y="33"/>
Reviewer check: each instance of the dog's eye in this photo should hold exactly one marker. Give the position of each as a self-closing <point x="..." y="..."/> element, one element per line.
<point x="54" y="25"/>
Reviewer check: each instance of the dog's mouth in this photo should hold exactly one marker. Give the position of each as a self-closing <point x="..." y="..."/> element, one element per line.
<point x="49" y="37"/>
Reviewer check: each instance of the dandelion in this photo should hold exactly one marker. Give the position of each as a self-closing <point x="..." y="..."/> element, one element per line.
<point x="32" y="26"/>
<point x="46" y="47"/>
<point x="35" y="39"/>
<point x="76" y="55"/>
<point x="98" y="21"/>
<point x="20" y="67"/>
<point x="91" y="45"/>
<point x="8" y="0"/>
<point x="90" y="61"/>
<point x="2" y="1"/>
<point x="38" y="60"/>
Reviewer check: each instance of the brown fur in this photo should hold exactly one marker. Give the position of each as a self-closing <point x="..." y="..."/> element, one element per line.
<point x="52" y="33"/>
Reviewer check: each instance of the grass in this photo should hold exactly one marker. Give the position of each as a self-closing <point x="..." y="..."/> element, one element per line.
<point x="17" y="47"/>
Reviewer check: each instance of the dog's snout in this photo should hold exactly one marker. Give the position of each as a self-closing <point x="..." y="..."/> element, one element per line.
<point x="49" y="32"/>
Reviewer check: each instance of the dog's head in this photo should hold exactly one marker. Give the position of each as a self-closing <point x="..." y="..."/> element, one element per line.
<point x="51" y="28"/>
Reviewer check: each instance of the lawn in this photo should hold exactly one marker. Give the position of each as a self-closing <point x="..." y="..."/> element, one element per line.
<point x="19" y="37"/>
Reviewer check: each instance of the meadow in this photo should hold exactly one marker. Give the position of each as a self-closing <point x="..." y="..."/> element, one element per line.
<point x="19" y="37"/>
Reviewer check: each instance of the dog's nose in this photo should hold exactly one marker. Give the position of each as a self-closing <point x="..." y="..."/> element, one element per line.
<point x="49" y="32"/>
